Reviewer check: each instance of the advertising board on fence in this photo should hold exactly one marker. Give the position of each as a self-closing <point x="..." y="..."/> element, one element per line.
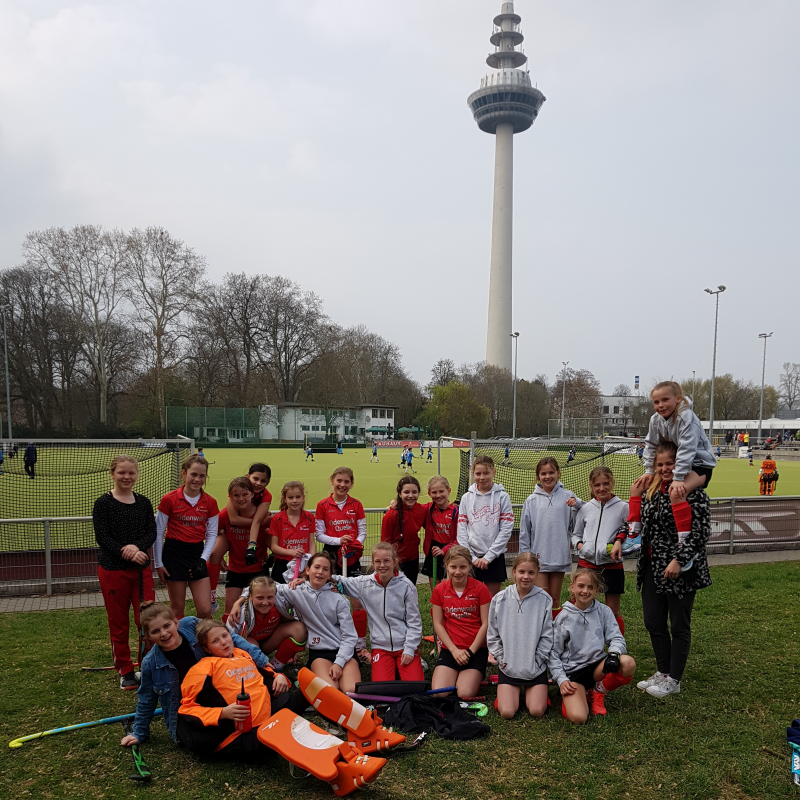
<point x="425" y="443"/>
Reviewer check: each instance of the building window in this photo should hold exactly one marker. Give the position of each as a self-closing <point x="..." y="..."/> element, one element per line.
<point x="616" y="409"/>
<point x="383" y="413"/>
<point x="315" y="427"/>
<point x="374" y="412"/>
<point x="626" y="409"/>
<point x="306" y="411"/>
<point x="389" y="413"/>
<point x="305" y="427"/>
<point x="605" y="409"/>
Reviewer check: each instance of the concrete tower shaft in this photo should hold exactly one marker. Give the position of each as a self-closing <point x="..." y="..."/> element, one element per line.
<point x="505" y="104"/>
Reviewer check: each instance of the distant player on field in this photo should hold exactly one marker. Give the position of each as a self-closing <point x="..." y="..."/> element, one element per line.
<point x="409" y="461"/>
<point x="309" y="453"/>
<point x="506" y="458"/>
<point x="571" y="455"/>
<point x="374" y="453"/>
<point x="430" y="455"/>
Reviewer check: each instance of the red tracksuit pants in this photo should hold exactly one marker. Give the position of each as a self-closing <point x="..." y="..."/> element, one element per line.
<point x="385" y="665"/>
<point x="120" y="589"/>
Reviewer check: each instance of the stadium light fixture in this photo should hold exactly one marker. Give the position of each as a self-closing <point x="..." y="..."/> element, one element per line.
<point x="563" y="395"/>
<point x="515" y="337"/>
<point x="763" y="336"/>
<point x="3" y="310"/>
<point x="720" y="289"/>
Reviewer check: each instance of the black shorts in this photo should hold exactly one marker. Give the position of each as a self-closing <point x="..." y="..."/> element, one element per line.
<point x="241" y="580"/>
<point x="507" y="680"/>
<point x="614" y="579"/>
<point x="182" y="560"/>
<point x="704" y="472"/>
<point x="478" y="661"/>
<point x="496" y="572"/>
<point x="585" y="675"/>
<point x="352" y="569"/>
<point x="328" y="655"/>
<point x="410" y="569"/>
<point x="278" y="568"/>
<point x="427" y="566"/>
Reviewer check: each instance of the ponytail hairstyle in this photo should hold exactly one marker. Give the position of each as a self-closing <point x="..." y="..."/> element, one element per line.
<point x="596" y="473"/>
<point x="458" y="551"/>
<point x="487" y="460"/>
<point x="548" y="461"/>
<point x="389" y="548"/>
<point x="287" y="487"/>
<point x="188" y="462"/>
<point x="675" y="389"/>
<point x="344" y="471"/>
<point x="204" y="628"/>
<point x="329" y="558"/>
<point x="655" y="484"/>
<point x="149" y="610"/>
<point x="406" y="481"/>
<point x="117" y="460"/>
<point x="260" y="466"/>
<point x="525" y="557"/>
<point x="597" y="581"/>
<point x="259" y="580"/>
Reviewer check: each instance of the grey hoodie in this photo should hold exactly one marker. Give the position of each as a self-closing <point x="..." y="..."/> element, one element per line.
<point x="392" y="611"/>
<point x="686" y="433"/>
<point x="545" y="526"/>
<point x="596" y="526"/>
<point x="520" y="634"/>
<point x="485" y="522"/>
<point x="580" y="638"/>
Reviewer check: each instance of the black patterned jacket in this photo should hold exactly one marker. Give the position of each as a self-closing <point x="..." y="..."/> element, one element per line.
<point x="660" y="535"/>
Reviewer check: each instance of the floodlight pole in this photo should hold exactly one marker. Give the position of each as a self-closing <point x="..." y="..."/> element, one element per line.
<point x="563" y="394"/>
<point x="515" y="337"/>
<point x="3" y="309"/>
<point x="763" y="336"/>
<point x="720" y="289"/>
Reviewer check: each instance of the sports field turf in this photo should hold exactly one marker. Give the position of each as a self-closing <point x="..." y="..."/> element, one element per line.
<point x="722" y="737"/>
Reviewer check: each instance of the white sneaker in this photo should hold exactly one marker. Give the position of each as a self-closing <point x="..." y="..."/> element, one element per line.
<point x="655" y="678"/>
<point x="665" y="687"/>
<point x="214" y="604"/>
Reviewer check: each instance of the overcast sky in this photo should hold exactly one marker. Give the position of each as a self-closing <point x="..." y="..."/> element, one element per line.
<point x="330" y="141"/>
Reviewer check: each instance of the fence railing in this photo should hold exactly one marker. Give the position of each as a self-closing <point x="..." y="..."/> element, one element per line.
<point x="43" y="555"/>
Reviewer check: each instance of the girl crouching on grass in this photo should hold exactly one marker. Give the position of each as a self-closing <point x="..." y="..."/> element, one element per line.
<point x="392" y="606"/>
<point x="578" y="661"/>
<point x="520" y="637"/>
<point x="175" y="651"/>
<point x="460" y="611"/>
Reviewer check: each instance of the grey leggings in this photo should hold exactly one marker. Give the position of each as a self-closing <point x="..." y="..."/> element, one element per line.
<point x="671" y="643"/>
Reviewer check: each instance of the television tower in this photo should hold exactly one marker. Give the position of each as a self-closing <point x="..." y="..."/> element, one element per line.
<point x="505" y="104"/>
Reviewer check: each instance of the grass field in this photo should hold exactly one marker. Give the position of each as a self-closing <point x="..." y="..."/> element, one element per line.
<point x="722" y="737"/>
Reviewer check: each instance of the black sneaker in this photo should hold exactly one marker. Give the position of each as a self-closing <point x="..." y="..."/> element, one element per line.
<point x="129" y="682"/>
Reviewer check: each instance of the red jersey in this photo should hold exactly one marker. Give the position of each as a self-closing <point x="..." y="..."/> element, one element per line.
<point x="293" y="537"/>
<point x="340" y="522"/>
<point x="264" y="627"/>
<point x="238" y="536"/>
<point x="263" y="497"/>
<point x="441" y="527"/>
<point x="413" y="521"/>
<point x="462" y="615"/>
<point x="187" y="522"/>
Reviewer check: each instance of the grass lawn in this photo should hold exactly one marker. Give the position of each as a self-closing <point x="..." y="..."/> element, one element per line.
<point x="717" y="739"/>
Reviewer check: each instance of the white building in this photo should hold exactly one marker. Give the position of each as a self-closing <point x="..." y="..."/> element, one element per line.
<point x="293" y="421"/>
<point x="618" y="413"/>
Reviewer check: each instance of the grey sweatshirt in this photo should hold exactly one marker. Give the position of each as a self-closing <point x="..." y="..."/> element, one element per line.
<point x="520" y="634"/>
<point x="580" y="638"/>
<point x="596" y="526"/>
<point x="485" y="522"/>
<point x="392" y="611"/>
<point x="686" y="433"/>
<point x="545" y="526"/>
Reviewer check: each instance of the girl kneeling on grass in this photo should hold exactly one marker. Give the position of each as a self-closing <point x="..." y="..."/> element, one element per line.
<point x="460" y="611"/>
<point x="263" y="624"/>
<point x="520" y="637"/>
<point x="392" y="606"/>
<point x="175" y="651"/>
<point x="208" y="714"/>
<point x="578" y="660"/>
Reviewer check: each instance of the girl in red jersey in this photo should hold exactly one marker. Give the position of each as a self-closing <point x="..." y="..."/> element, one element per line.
<point x="246" y="560"/>
<point x="125" y="530"/>
<point x="441" y="528"/>
<point x="401" y="526"/>
<point x="189" y="517"/>
<point x="262" y="624"/>
<point x="460" y="611"/>
<point x="292" y="530"/>
<point x="340" y="521"/>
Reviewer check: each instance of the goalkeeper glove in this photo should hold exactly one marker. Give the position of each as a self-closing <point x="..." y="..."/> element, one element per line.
<point x="250" y="554"/>
<point x="611" y="663"/>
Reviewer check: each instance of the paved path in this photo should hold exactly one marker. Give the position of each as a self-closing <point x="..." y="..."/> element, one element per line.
<point x="95" y="599"/>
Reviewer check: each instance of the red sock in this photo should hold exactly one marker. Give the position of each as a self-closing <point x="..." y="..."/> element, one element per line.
<point x="682" y="512"/>
<point x="614" y="680"/>
<point x="556" y="612"/>
<point x="225" y="618"/>
<point x="213" y="573"/>
<point x="360" y="621"/>
<point x="635" y="509"/>
<point x="621" y="623"/>
<point x="288" y="649"/>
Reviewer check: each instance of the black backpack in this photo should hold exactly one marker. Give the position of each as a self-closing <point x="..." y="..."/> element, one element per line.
<point x="443" y="715"/>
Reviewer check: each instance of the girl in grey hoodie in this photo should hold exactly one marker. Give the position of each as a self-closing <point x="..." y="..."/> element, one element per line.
<point x="520" y="637"/>
<point x="547" y="519"/>
<point x="578" y="659"/>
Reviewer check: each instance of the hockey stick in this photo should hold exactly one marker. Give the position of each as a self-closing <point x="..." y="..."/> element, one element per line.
<point x="106" y="721"/>
<point x="142" y="772"/>
<point x="102" y="669"/>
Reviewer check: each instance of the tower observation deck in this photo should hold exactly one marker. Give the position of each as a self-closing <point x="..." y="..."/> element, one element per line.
<point x="505" y="104"/>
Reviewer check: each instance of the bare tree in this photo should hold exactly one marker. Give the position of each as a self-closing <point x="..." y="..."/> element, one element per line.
<point x="493" y="388"/>
<point x="582" y="393"/>
<point x="442" y="372"/>
<point x="164" y="275"/>
<point x="87" y="267"/>
<point x="789" y="385"/>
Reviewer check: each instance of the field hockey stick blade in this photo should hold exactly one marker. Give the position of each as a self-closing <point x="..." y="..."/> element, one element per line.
<point x="142" y="773"/>
<point x="102" y="669"/>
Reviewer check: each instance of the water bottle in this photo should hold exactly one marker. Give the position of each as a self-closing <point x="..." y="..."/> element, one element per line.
<point x="243" y="699"/>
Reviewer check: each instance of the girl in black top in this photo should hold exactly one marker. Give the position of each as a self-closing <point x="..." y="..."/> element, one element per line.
<point x="125" y="529"/>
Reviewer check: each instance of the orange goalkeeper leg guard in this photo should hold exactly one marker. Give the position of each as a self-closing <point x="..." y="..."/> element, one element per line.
<point x="365" y="730"/>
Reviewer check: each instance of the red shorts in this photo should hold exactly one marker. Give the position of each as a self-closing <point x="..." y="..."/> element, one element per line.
<point x="386" y="665"/>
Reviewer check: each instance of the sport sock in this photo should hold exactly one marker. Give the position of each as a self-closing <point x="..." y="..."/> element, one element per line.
<point x="682" y="513"/>
<point x="621" y="623"/>
<point x="556" y="612"/>
<point x="287" y="650"/>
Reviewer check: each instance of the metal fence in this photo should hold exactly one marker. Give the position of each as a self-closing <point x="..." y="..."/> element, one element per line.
<point x="59" y="554"/>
